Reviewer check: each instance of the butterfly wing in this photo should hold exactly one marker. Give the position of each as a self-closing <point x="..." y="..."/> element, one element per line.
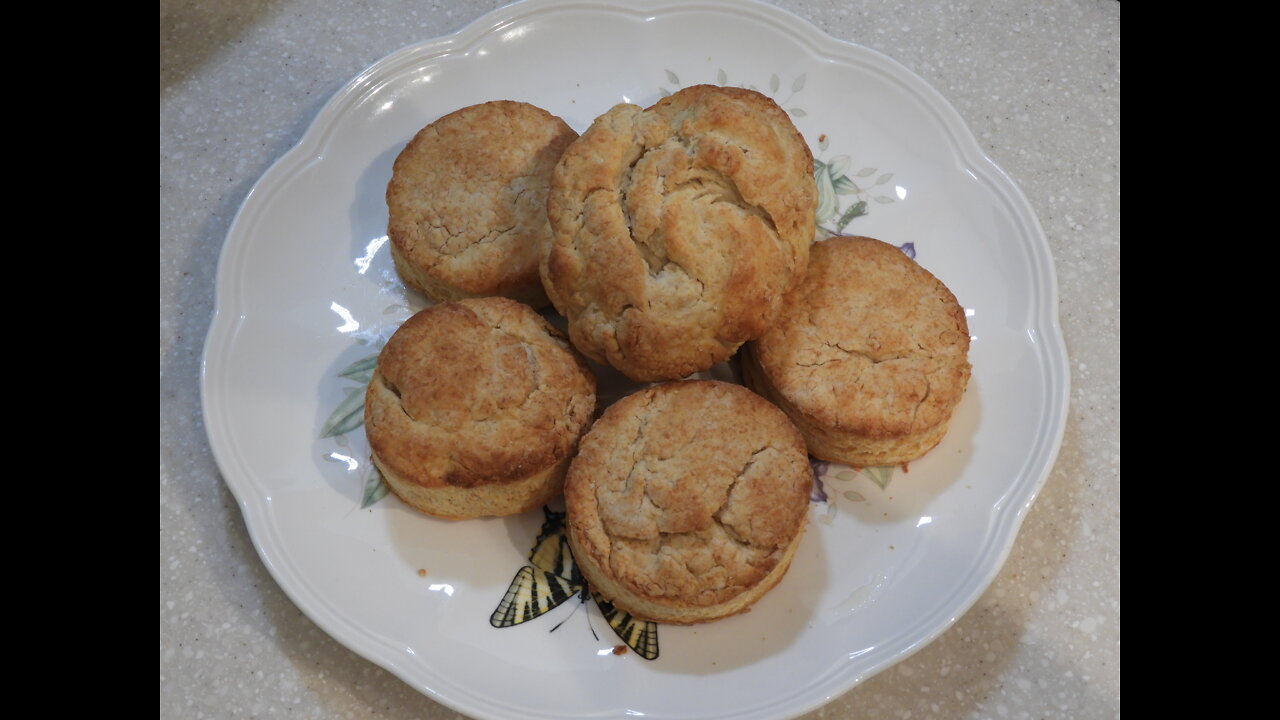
<point x="552" y="579"/>
<point x="532" y="593"/>
<point x="639" y="635"/>
<point x="551" y="551"/>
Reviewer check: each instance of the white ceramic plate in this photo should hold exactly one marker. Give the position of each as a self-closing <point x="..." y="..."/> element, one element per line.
<point x="306" y="289"/>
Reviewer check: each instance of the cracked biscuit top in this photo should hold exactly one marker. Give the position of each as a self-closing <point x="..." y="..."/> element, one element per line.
<point x="677" y="228"/>
<point x="687" y="499"/>
<point x="467" y="202"/>
<point x="476" y="393"/>
<point x="869" y="355"/>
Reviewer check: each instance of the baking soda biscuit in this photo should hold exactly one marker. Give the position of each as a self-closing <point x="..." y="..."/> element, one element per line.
<point x="676" y="229"/>
<point x="476" y="407"/>
<point x="687" y="501"/>
<point x="869" y="356"/>
<point x="468" y="198"/>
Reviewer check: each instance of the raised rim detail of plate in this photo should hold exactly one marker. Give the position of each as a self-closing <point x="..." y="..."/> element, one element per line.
<point x="1000" y="258"/>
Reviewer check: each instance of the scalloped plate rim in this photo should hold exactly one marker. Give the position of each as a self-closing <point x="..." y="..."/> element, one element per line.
<point x="255" y="505"/>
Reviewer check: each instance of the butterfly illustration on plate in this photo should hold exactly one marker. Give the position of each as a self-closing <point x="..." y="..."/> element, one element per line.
<point x="553" y="578"/>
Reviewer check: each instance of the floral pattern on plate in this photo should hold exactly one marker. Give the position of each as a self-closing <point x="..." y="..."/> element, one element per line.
<point x="831" y="175"/>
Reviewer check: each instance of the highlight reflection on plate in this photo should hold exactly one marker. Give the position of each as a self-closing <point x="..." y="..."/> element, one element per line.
<point x="306" y="291"/>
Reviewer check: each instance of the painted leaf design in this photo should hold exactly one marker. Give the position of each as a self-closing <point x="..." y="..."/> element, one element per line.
<point x="722" y="77"/>
<point x="826" y="197"/>
<point x="845" y="475"/>
<point x="360" y="367"/>
<point x="774" y="83"/>
<point x="884" y="178"/>
<point x="838" y="166"/>
<point x="348" y="416"/>
<point x="671" y="78"/>
<point x="361" y="371"/>
<point x="845" y="186"/>
<point x="374" y="488"/>
<point x="879" y="475"/>
<point x="882" y="199"/>
<point x="829" y="516"/>
<point x="797" y="112"/>
<point x="854" y="496"/>
<point x="855" y="210"/>
<point x="866" y="171"/>
<point x="664" y="92"/>
<point x="798" y="84"/>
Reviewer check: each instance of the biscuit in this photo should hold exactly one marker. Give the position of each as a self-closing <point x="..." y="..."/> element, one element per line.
<point x="687" y="501"/>
<point x="677" y="229"/>
<point x="869" y="356"/>
<point x="476" y="407"/>
<point x="467" y="202"/>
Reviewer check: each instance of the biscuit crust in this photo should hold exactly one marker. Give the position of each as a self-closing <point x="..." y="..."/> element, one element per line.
<point x="677" y="229"/>
<point x="869" y="356"/>
<point x="476" y="408"/>
<point x="467" y="202"/>
<point x="687" y="500"/>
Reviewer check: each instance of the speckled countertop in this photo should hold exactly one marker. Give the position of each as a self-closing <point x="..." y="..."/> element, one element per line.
<point x="1039" y="85"/>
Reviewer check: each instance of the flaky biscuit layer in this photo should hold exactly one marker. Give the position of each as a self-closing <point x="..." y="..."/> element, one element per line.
<point x="476" y="407"/>
<point x="686" y="501"/>
<point x="677" y="229"/>
<point x="467" y="202"/>
<point x="869" y="356"/>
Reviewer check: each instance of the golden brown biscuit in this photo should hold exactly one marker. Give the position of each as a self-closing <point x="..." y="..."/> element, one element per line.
<point x="468" y="202"/>
<point x="869" y="356"/>
<point x="687" y="500"/>
<point x="476" y="407"/>
<point x="677" y="229"/>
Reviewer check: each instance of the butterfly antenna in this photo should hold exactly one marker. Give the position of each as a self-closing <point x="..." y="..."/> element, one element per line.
<point x="586" y="593"/>
<point x="581" y="601"/>
<point x="591" y="626"/>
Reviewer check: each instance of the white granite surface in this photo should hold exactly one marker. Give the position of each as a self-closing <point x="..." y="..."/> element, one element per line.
<point x="1039" y="84"/>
